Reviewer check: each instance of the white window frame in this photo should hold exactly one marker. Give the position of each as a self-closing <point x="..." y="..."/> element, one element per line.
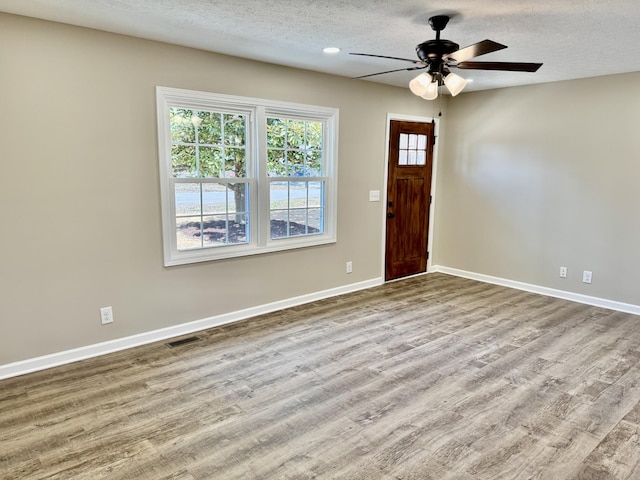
<point x="256" y="111"/>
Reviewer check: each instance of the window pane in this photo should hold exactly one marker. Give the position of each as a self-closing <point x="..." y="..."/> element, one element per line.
<point x="276" y="163"/>
<point x="316" y="220"/>
<point x="234" y="130"/>
<point x="214" y="198"/>
<point x="279" y="195"/>
<point x="236" y="163"/>
<point x="316" y="194"/>
<point x="314" y="164"/>
<point x="422" y="142"/>
<point x="412" y="157"/>
<point x="188" y="233"/>
<point x="182" y="129"/>
<point x="298" y="195"/>
<point x="238" y="195"/>
<point x="239" y="228"/>
<point x="183" y="161"/>
<point x="187" y="199"/>
<point x="295" y="160"/>
<point x="422" y="157"/>
<point x="279" y="224"/>
<point x="210" y="130"/>
<point x="210" y="162"/>
<point x="402" y="158"/>
<point x="295" y="133"/>
<point x="413" y="141"/>
<point x="297" y="222"/>
<point x="276" y="132"/>
<point x="314" y="135"/>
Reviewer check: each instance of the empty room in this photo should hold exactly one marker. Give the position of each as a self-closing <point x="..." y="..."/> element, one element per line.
<point x="319" y="240"/>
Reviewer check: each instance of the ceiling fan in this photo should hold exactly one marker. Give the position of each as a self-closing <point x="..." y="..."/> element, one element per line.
<point x="439" y="55"/>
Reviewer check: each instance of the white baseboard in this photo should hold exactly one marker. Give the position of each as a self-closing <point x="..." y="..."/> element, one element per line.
<point x="551" y="292"/>
<point x="53" y="360"/>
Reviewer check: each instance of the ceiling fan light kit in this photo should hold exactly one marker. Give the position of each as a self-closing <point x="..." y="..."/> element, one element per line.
<point x="419" y="85"/>
<point x="455" y="83"/>
<point x="438" y="56"/>
<point x="426" y="86"/>
<point x="432" y="91"/>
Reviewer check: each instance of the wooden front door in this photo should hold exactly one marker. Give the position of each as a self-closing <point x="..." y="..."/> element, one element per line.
<point x="408" y="198"/>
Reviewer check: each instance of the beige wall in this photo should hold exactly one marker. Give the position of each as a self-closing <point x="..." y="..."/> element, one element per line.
<point x="532" y="178"/>
<point x="79" y="193"/>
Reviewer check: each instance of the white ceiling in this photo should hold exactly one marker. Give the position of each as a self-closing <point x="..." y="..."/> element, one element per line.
<point x="573" y="38"/>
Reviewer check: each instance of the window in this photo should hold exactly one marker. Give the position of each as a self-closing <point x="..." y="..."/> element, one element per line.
<point x="294" y="165"/>
<point x="241" y="176"/>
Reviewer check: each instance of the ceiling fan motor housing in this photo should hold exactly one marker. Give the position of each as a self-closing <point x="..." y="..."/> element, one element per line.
<point x="432" y="51"/>
<point x="435" y="49"/>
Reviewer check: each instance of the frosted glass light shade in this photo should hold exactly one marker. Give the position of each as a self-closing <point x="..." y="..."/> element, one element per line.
<point x="432" y="91"/>
<point x="454" y="83"/>
<point x="419" y="85"/>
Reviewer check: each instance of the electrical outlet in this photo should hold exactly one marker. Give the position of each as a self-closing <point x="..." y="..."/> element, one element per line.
<point x="586" y="276"/>
<point x="106" y="315"/>
<point x="563" y="272"/>
<point x="349" y="267"/>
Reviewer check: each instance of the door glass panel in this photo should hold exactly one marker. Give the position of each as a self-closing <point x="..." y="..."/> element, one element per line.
<point x="412" y="149"/>
<point x="404" y="141"/>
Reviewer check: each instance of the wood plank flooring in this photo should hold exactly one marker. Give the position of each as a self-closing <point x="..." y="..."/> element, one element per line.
<point x="433" y="377"/>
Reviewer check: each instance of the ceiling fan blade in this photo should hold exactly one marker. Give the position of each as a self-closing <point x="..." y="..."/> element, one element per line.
<point x="505" y="66"/>
<point x="390" y="71"/>
<point x="391" y="58"/>
<point x="475" y="50"/>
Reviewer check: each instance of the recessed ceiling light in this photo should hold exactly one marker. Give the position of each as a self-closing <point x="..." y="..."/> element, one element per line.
<point x="331" y="50"/>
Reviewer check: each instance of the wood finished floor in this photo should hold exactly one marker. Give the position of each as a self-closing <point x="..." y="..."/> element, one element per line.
<point x="433" y="377"/>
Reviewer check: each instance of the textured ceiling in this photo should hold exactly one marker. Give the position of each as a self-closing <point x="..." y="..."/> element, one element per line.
<point x="573" y="38"/>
